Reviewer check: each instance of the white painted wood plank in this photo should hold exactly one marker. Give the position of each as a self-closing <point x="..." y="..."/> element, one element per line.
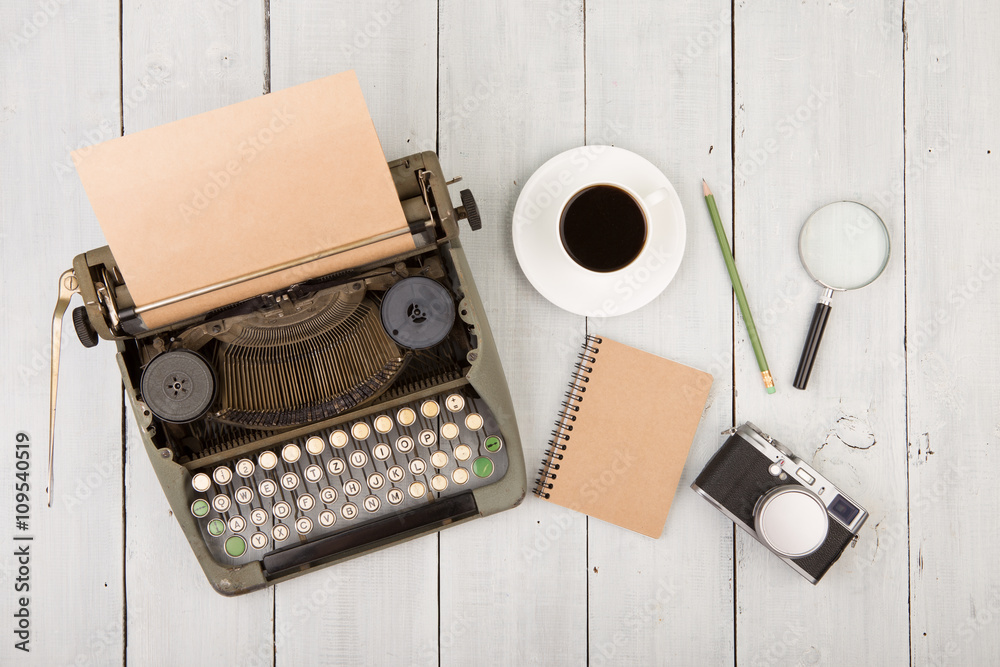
<point x="380" y="608"/>
<point x="952" y="354"/>
<point x="179" y="59"/>
<point x="646" y="89"/>
<point x="59" y="73"/>
<point x="818" y="91"/>
<point x="513" y="586"/>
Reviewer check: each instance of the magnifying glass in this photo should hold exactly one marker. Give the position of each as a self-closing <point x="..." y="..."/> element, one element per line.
<point x="843" y="246"/>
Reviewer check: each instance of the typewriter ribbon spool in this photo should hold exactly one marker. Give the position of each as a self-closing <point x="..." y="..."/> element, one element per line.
<point x="418" y="312"/>
<point x="567" y="415"/>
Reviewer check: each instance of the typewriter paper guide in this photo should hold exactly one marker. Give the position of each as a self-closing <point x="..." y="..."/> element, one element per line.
<point x="243" y="188"/>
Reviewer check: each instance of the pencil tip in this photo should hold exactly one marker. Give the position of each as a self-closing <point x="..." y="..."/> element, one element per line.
<point x="704" y="186"/>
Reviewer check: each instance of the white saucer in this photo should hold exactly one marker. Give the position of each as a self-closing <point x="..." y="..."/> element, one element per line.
<point x="549" y="267"/>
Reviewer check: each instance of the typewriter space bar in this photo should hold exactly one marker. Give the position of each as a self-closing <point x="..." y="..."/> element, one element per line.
<point x="440" y="512"/>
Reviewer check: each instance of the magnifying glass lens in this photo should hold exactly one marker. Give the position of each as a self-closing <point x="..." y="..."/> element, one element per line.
<point x="844" y="245"/>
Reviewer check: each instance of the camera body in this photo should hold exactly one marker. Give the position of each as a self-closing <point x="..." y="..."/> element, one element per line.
<point x="784" y="503"/>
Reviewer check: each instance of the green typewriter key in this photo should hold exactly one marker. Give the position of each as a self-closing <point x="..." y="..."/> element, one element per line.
<point x="493" y="444"/>
<point x="236" y="546"/>
<point x="216" y="527"/>
<point x="483" y="467"/>
<point x="199" y="508"/>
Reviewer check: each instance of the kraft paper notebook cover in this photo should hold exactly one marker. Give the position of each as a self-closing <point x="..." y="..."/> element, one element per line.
<point x="623" y="435"/>
<point x="244" y="188"/>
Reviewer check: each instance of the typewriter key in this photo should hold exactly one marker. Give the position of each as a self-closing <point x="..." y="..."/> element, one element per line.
<point x="474" y="422"/>
<point x="281" y="509"/>
<point x="201" y="482"/>
<point x="430" y="409"/>
<point x="291" y="453"/>
<point x="406" y="416"/>
<point x="315" y="445"/>
<point x="236" y="546"/>
<point x="221" y="503"/>
<point x="244" y="467"/>
<point x="178" y="386"/>
<point x="199" y="508"/>
<point x="383" y="424"/>
<point x="258" y="540"/>
<point x="418" y="312"/>
<point x="461" y="475"/>
<point x="267" y="460"/>
<point x="454" y="402"/>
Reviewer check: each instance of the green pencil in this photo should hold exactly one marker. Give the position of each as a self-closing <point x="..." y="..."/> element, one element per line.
<point x="741" y="297"/>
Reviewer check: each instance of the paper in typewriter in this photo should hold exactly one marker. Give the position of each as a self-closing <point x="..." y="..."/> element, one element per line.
<point x="243" y="188"/>
<point x="626" y="451"/>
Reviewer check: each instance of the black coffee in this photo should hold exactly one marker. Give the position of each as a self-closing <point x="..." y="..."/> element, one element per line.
<point x="602" y="228"/>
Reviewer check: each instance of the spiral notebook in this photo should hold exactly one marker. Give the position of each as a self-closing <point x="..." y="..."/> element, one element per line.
<point x="623" y="435"/>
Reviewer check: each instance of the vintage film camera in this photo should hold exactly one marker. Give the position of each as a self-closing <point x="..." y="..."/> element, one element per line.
<point x="784" y="503"/>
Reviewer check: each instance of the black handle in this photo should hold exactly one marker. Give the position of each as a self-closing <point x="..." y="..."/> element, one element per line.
<point x="812" y="344"/>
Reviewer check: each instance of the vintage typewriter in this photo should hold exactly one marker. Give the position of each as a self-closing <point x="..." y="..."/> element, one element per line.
<point x="326" y="420"/>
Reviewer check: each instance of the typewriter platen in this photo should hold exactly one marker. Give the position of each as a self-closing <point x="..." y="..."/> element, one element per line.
<point x="323" y="421"/>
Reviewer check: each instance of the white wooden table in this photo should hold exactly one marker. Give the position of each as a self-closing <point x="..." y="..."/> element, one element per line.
<point x="782" y="106"/>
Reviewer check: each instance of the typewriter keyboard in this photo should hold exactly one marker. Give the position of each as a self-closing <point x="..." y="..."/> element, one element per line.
<point x="341" y="477"/>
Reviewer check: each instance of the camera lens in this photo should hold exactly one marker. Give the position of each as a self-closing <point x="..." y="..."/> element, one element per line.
<point x="791" y="521"/>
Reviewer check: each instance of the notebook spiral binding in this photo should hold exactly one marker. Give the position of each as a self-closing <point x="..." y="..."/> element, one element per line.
<point x="567" y="415"/>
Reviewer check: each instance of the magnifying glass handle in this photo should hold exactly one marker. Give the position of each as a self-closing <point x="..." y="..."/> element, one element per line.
<point x="820" y="316"/>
